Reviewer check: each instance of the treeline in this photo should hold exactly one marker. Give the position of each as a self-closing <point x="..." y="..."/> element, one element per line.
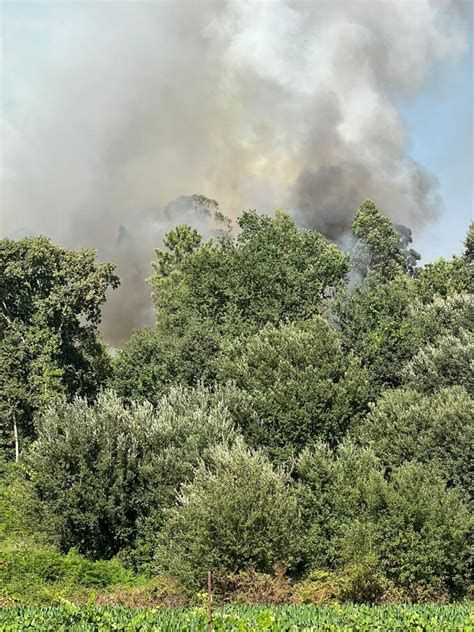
<point x="296" y="411"/>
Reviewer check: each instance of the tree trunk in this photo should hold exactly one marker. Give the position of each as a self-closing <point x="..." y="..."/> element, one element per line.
<point x="17" y="443"/>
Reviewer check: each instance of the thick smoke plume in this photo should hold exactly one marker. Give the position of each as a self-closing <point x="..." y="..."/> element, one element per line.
<point x="256" y="104"/>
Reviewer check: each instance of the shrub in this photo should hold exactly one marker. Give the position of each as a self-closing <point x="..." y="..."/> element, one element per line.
<point x="437" y="429"/>
<point x="22" y="518"/>
<point x="238" y="513"/>
<point x="448" y="362"/>
<point x="152" y="361"/>
<point x="43" y="575"/>
<point x="155" y="592"/>
<point x="299" y="382"/>
<point x="425" y="535"/>
<point x="102" y="470"/>
<point x="413" y="530"/>
<point x="336" y="487"/>
<point x="359" y="582"/>
<point x="386" y="324"/>
<point x="320" y="587"/>
<point x="256" y="588"/>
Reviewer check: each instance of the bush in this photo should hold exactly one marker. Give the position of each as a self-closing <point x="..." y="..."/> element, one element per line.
<point x="413" y="530"/>
<point x="102" y="470"/>
<point x="43" y="575"/>
<point x="359" y="582"/>
<point x="238" y="513"/>
<point x="448" y="362"/>
<point x="386" y="324"/>
<point x="22" y="518"/>
<point x="152" y="361"/>
<point x="336" y="487"/>
<point x="320" y="587"/>
<point x="437" y="429"/>
<point x="299" y="382"/>
<point x="425" y="535"/>
<point x="256" y="588"/>
<point x="150" y="593"/>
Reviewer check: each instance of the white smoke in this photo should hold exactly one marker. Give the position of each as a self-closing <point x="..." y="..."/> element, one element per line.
<point x="256" y="104"/>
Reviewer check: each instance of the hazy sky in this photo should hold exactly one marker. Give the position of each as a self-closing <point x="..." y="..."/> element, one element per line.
<point x="440" y="122"/>
<point x="109" y="110"/>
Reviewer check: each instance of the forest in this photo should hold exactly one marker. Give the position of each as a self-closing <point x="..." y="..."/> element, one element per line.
<point x="299" y="421"/>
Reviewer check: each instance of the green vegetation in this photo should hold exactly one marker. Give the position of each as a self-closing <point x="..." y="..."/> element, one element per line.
<point x="435" y="429"/>
<point x="379" y="246"/>
<point x="238" y="513"/>
<point x="244" y="619"/>
<point x="299" y="383"/>
<point x="49" y="345"/>
<point x="98" y="470"/>
<point x="298" y="420"/>
<point x="41" y="575"/>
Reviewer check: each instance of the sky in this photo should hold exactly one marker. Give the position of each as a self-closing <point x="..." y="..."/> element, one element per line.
<point x="112" y="110"/>
<point x="440" y="124"/>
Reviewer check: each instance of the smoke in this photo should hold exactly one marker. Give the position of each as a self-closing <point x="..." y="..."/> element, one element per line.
<point x="113" y="109"/>
<point x="130" y="307"/>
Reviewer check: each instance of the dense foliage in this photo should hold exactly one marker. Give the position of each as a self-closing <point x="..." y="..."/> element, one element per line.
<point x="100" y="470"/>
<point x="49" y="345"/>
<point x="299" y="421"/>
<point x="379" y="245"/>
<point x="406" y="425"/>
<point x="237" y="513"/>
<point x="299" y="382"/>
<point x="205" y="293"/>
<point x="405" y="527"/>
<point x="272" y="271"/>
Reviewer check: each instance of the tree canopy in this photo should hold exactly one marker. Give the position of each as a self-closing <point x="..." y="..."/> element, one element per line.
<point x="379" y="246"/>
<point x="300" y="384"/>
<point x="51" y="302"/>
<point x="271" y="271"/>
<point x="297" y="417"/>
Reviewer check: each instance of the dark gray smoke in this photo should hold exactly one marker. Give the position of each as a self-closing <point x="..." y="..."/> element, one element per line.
<point x="113" y="109"/>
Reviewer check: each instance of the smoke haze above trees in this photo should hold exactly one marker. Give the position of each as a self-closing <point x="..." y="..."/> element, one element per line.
<point x="261" y="105"/>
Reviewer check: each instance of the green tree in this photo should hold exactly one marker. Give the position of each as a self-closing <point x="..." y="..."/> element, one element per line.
<point x="468" y="260"/>
<point x="104" y="471"/>
<point x="444" y="278"/>
<point x="271" y="271"/>
<point x="448" y="362"/>
<point x="238" y="513"/>
<point x="152" y="360"/>
<point x="335" y="487"/>
<point x="386" y="324"/>
<point x="425" y="535"/>
<point x="373" y="322"/>
<point x="50" y="306"/>
<point x="299" y="383"/>
<point x="438" y="429"/>
<point x="208" y="292"/>
<point x="380" y="247"/>
<point x="469" y="245"/>
<point x="179" y="242"/>
<point x="388" y="318"/>
<point x="449" y="277"/>
<point x="409" y="525"/>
